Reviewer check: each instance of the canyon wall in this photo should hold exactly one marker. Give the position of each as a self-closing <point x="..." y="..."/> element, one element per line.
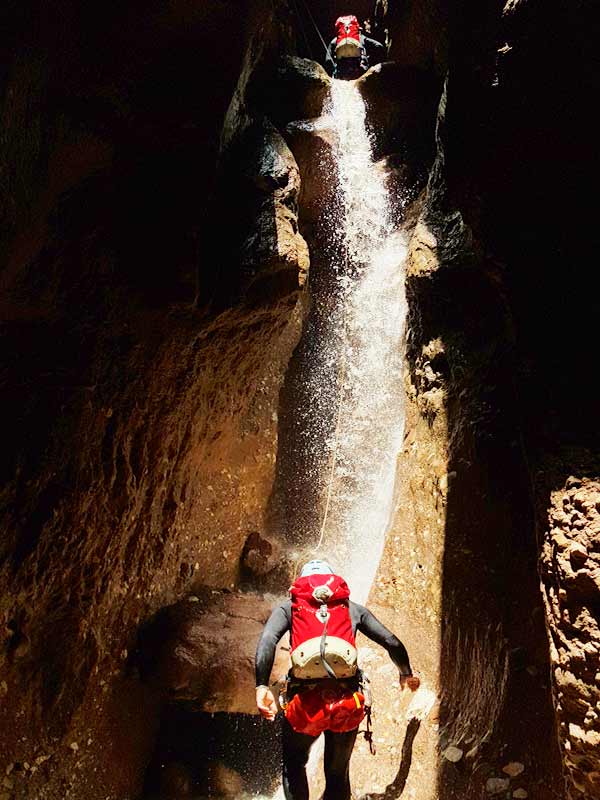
<point x="492" y="334"/>
<point x="141" y="373"/>
<point x="157" y="215"/>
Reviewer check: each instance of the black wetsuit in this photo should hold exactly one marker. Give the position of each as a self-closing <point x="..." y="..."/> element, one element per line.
<point x="338" y="746"/>
<point x="372" y="52"/>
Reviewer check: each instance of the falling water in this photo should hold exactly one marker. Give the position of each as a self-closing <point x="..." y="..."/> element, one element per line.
<point x="364" y="342"/>
<point x="367" y="337"/>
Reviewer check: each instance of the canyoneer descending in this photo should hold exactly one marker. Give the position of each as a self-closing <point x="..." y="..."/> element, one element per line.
<point x="325" y="691"/>
<point x="350" y="52"/>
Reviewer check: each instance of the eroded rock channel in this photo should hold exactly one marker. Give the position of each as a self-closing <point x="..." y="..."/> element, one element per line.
<point x="170" y="306"/>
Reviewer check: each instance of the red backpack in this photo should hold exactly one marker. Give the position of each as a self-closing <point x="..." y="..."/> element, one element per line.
<point x="322" y="639"/>
<point x="348" y="37"/>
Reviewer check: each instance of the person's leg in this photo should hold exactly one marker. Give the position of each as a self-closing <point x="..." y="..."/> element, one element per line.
<point x="338" y="749"/>
<point x="295" y="747"/>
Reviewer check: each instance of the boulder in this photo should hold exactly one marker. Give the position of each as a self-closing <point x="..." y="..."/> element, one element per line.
<point x="453" y="754"/>
<point x="201" y="650"/>
<point x="402" y="105"/>
<point x="295" y="89"/>
<point x="513" y="768"/>
<point x="222" y="781"/>
<point x="312" y="145"/>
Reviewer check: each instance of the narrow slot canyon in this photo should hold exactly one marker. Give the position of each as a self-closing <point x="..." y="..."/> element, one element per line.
<point x="250" y="314"/>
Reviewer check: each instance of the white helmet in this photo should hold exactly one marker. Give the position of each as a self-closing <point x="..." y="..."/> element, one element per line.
<point x="316" y="567"/>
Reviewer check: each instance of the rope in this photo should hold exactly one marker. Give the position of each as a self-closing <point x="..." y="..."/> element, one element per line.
<point x="323" y="42"/>
<point x="310" y="16"/>
<point x="302" y="28"/>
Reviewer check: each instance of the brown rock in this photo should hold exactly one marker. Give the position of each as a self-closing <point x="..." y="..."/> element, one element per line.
<point x="513" y="768"/>
<point x="259" y="555"/>
<point x="205" y="651"/>
<point x="295" y="89"/>
<point x="570" y="555"/>
<point x="175" y="781"/>
<point x="578" y="553"/>
<point x="224" y="781"/>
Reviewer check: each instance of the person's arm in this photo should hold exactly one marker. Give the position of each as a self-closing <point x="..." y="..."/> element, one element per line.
<point x="376" y="52"/>
<point x="278" y="623"/>
<point x="330" y="58"/>
<point x="378" y="633"/>
<point x="374" y="43"/>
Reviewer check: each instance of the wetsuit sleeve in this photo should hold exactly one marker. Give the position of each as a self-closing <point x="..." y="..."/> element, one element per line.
<point x="278" y="623"/>
<point x="378" y="633"/>
<point x="377" y="52"/>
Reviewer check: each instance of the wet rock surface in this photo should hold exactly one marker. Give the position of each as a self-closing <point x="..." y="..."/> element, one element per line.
<point x="271" y="244"/>
<point x="294" y="89"/>
<point x="401" y="103"/>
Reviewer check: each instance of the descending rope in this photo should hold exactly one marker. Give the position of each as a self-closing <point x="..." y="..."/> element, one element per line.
<point x="323" y="42"/>
<point x="315" y="26"/>
<point x="302" y="28"/>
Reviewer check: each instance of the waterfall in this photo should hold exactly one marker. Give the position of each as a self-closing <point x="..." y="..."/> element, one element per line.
<point x="366" y="337"/>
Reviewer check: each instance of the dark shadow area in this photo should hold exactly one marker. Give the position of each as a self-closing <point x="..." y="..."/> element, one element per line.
<point x="396" y="787"/>
<point x="110" y="226"/>
<point x="212" y="755"/>
<point x="519" y="328"/>
<point x="241" y="237"/>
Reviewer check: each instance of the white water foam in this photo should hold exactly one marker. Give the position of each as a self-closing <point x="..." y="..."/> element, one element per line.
<point x="366" y="340"/>
<point x="369" y="343"/>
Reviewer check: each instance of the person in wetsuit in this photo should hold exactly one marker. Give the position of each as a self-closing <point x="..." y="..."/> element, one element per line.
<point x="372" y="52"/>
<point x="338" y="746"/>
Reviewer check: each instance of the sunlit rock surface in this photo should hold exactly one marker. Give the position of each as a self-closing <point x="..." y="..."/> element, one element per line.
<point x="571" y="581"/>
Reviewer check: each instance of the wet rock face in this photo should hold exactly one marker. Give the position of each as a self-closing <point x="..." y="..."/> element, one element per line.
<point x="295" y="89"/>
<point x="570" y="567"/>
<point x="255" y="215"/>
<point x="139" y="455"/>
<point x="272" y="248"/>
<point x="401" y="103"/>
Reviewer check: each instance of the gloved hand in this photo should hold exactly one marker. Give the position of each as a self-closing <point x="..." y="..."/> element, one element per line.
<point x="265" y="701"/>
<point x="409" y="681"/>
